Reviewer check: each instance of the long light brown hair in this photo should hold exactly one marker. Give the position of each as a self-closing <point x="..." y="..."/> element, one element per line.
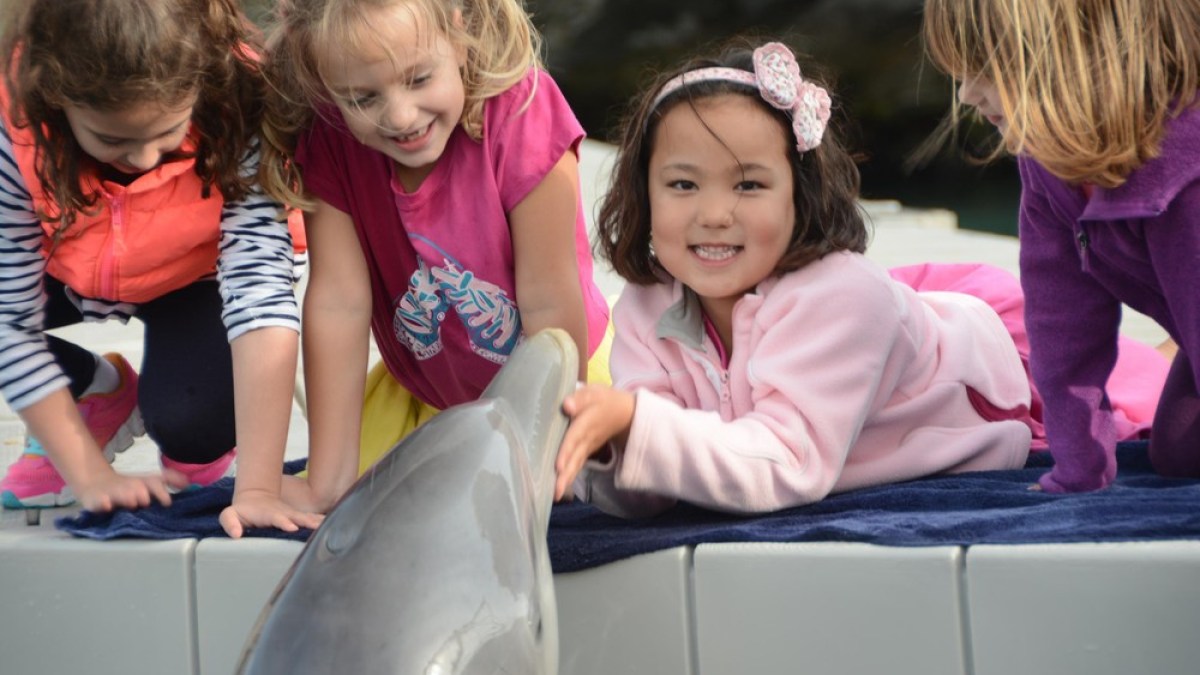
<point x="1086" y="86"/>
<point x="825" y="180"/>
<point x="501" y="44"/>
<point x="108" y="55"/>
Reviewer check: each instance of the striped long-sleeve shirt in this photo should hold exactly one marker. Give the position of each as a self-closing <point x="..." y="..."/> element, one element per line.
<point x="256" y="270"/>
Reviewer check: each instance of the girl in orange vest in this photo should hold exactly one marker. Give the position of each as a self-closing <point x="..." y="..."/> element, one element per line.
<point x="128" y="160"/>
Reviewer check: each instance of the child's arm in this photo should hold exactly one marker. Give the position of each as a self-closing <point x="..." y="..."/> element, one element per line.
<point x="256" y="268"/>
<point x="337" y="325"/>
<point x="547" y="274"/>
<point x="601" y="417"/>
<point x="56" y="423"/>
<point x="1072" y="323"/>
<point x="264" y="367"/>
<point x="336" y="321"/>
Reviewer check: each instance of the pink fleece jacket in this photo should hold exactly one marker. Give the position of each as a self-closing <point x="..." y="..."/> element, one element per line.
<point x="839" y="378"/>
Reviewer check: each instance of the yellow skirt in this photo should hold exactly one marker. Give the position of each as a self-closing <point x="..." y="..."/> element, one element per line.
<point x="391" y="412"/>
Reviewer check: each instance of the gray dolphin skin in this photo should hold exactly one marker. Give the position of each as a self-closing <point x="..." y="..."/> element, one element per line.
<point x="435" y="562"/>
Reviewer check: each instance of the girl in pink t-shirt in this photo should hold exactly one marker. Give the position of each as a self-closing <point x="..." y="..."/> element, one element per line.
<point x="438" y="168"/>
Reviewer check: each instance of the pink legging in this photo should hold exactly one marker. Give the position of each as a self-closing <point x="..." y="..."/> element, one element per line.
<point x="1134" y="385"/>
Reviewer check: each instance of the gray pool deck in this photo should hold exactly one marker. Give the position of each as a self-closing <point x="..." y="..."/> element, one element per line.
<point x="185" y="606"/>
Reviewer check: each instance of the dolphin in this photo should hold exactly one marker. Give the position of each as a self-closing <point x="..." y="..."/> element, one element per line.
<point x="435" y="560"/>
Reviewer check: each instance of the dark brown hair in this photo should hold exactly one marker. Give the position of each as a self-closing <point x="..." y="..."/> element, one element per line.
<point x="825" y="180"/>
<point x="108" y="55"/>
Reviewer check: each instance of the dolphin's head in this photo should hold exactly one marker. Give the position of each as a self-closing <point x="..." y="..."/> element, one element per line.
<point x="435" y="561"/>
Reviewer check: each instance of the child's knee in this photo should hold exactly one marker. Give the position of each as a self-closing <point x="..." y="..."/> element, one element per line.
<point x="190" y="434"/>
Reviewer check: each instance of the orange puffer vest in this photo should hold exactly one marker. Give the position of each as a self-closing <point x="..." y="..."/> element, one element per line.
<point x="156" y="235"/>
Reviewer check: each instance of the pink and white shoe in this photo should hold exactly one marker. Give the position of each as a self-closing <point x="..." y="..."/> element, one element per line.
<point x="113" y="420"/>
<point x="199" y="475"/>
<point x="32" y="482"/>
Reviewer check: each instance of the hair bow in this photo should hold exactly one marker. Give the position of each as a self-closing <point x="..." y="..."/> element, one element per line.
<point x="780" y="84"/>
<point x="777" y="77"/>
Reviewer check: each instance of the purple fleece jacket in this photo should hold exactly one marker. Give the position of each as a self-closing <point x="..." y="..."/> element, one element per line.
<point x="1081" y="257"/>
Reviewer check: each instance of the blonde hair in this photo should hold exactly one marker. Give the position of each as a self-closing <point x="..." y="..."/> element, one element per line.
<point x="501" y="45"/>
<point x="111" y="54"/>
<point x="1086" y="86"/>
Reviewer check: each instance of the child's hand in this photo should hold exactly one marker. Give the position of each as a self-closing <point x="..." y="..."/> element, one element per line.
<point x="598" y="414"/>
<point x="112" y="490"/>
<point x="298" y="493"/>
<point x="255" y="508"/>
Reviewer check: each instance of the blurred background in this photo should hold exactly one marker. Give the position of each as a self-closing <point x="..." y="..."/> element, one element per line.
<point x="892" y="100"/>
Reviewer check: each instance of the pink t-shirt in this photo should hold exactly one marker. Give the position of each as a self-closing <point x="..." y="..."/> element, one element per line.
<point x="441" y="258"/>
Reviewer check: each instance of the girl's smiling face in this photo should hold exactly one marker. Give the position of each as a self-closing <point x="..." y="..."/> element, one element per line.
<point x="721" y="202"/>
<point x="401" y="92"/>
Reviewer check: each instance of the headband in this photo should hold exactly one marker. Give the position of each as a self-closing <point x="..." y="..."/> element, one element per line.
<point x="777" y="77"/>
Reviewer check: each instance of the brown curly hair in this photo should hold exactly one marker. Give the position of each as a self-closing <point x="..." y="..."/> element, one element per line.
<point x="108" y="55"/>
<point x="825" y="180"/>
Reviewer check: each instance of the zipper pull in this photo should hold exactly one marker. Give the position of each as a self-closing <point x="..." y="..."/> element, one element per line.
<point x="1082" y="238"/>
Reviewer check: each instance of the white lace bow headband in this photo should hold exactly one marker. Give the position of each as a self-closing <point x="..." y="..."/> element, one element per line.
<point x="777" y="77"/>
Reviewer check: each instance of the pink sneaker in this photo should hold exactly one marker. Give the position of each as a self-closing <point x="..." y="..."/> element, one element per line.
<point x="32" y="481"/>
<point x="112" y="418"/>
<point x="199" y="475"/>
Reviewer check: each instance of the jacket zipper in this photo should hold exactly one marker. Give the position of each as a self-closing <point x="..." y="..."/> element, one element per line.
<point x="718" y="376"/>
<point x="116" y="246"/>
<point x="1082" y="237"/>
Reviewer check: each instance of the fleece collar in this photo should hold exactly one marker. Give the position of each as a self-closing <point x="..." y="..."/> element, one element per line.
<point x="683" y="320"/>
<point x="1150" y="189"/>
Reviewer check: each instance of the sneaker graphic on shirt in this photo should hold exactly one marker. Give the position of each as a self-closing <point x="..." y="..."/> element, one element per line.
<point x="489" y="315"/>
<point x="419" y="313"/>
<point x="486" y="310"/>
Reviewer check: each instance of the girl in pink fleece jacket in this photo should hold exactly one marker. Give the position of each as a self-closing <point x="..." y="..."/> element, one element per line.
<point x="761" y="361"/>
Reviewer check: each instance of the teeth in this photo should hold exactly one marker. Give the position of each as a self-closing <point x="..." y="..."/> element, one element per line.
<point x="715" y="252"/>
<point x="408" y="137"/>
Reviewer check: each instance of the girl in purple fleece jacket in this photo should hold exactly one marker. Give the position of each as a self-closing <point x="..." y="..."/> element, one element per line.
<point x="1097" y="98"/>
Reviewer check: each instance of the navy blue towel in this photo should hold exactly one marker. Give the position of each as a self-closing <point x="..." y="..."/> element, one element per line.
<point x="993" y="507"/>
<point x="192" y="515"/>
